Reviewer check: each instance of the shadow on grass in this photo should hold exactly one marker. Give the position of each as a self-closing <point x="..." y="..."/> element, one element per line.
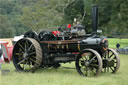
<point x="72" y="71"/>
<point x="61" y="70"/>
<point x="68" y="69"/>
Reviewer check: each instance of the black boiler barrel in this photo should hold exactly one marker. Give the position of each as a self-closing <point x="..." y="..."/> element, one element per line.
<point x="91" y="43"/>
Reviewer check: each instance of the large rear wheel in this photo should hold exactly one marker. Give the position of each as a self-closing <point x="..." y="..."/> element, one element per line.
<point x="27" y="55"/>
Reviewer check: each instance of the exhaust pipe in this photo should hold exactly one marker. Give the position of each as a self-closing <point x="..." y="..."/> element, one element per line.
<point x="95" y="19"/>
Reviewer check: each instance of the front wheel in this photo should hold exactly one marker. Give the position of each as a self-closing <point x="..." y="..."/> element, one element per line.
<point x="111" y="61"/>
<point x="88" y="63"/>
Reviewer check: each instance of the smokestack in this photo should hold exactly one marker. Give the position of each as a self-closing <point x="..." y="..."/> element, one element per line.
<point x="95" y="19"/>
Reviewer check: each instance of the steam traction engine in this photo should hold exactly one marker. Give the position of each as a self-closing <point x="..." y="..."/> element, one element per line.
<point x="49" y="49"/>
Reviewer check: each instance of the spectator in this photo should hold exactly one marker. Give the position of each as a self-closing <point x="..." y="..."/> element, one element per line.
<point x="117" y="45"/>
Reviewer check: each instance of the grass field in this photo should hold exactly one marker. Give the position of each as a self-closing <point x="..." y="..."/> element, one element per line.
<point x="114" y="41"/>
<point x="63" y="76"/>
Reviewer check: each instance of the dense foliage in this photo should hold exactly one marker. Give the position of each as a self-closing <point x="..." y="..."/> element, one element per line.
<point x="18" y="16"/>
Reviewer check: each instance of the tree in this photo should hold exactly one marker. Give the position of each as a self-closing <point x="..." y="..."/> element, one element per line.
<point x="42" y="15"/>
<point x="5" y="29"/>
<point x="75" y="9"/>
<point x="119" y="18"/>
<point x="7" y="5"/>
<point x="23" y="15"/>
<point x="11" y="11"/>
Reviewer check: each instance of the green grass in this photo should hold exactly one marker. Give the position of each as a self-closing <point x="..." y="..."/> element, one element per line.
<point x="114" y="41"/>
<point x="64" y="76"/>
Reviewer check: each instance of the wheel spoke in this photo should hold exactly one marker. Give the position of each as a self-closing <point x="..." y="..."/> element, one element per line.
<point x="108" y="54"/>
<point x="22" y="48"/>
<point x="26" y="46"/>
<point x="83" y="70"/>
<point x="84" y="58"/>
<point x="92" y="59"/>
<point x="112" y="58"/>
<point x="112" y="69"/>
<point x="111" y="55"/>
<point x="30" y="47"/>
<point x="86" y="71"/>
<point x="25" y="65"/>
<point x="105" y="54"/>
<point x="32" y="53"/>
<point x="95" y="65"/>
<point x="20" y="58"/>
<point x="19" y="54"/>
<point x="80" y="63"/>
<point x="115" y="62"/>
<point x="21" y="61"/>
<point x="82" y="66"/>
<point x="84" y="55"/>
<point x="94" y="71"/>
<point x="107" y="69"/>
<point x="34" y="61"/>
<point x="30" y="64"/>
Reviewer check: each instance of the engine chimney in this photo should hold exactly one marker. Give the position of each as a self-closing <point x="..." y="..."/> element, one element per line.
<point x="95" y="19"/>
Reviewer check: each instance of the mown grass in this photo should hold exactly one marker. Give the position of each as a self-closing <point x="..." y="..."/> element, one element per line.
<point x="114" y="41"/>
<point x="63" y="76"/>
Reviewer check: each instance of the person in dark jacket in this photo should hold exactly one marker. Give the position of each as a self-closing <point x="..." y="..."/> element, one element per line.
<point x="117" y="45"/>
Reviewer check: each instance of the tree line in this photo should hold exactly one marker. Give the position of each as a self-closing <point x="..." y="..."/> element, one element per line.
<point x="19" y="16"/>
